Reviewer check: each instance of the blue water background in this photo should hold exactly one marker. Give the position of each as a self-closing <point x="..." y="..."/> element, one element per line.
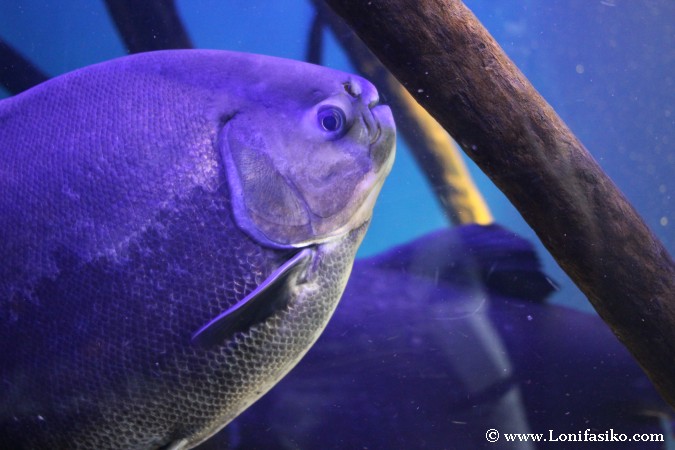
<point x="606" y="66"/>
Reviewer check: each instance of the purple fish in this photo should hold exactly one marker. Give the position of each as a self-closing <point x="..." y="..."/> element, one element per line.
<point x="176" y="229"/>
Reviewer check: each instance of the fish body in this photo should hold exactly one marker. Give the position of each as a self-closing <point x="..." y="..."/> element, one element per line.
<point x="176" y="228"/>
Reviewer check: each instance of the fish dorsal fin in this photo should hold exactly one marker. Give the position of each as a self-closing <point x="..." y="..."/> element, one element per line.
<point x="265" y="300"/>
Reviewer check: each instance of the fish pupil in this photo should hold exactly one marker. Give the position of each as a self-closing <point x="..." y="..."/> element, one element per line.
<point x="330" y="123"/>
<point x="331" y="119"/>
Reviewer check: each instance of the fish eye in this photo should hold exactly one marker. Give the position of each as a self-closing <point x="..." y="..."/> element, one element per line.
<point x="331" y="119"/>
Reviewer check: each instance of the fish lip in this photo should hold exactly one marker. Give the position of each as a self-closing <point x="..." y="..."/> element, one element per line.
<point x="377" y="135"/>
<point x="379" y="114"/>
<point x="386" y="129"/>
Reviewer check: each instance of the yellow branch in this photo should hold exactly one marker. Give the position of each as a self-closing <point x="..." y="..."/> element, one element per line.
<point x="455" y="189"/>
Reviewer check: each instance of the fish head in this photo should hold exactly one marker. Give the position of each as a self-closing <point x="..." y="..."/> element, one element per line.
<point x="306" y="160"/>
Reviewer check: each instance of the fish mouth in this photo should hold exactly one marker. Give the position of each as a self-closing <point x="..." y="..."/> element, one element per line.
<point x="382" y="130"/>
<point x="372" y="123"/>
<point x="376" y="135"/>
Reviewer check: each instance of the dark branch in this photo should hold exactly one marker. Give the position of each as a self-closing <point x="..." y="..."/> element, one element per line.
<point x="315" y="44"/>
<point x="148" y="25"/>
<point x="17" y="73"/>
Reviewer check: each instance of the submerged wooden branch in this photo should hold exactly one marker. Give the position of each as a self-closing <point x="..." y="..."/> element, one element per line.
<point x="17" y="73"/>
<point x="148" y="25"/>
<point x="455" y="69"/>
<point x="433" y="149"/>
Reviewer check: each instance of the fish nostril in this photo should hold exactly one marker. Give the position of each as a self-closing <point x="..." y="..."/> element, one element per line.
<point x="352" y="87"/>
<point x="362" y="89"/>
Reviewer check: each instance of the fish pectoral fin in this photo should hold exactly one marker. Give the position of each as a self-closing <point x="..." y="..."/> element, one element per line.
<point x="265" y="300"/>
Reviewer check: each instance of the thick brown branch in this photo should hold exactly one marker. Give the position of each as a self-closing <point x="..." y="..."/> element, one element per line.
<point x="455" y="69"/>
